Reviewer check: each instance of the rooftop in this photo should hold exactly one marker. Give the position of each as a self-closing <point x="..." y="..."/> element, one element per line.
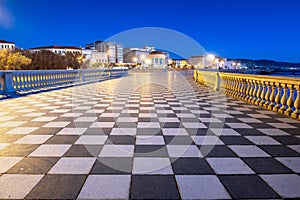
<point x="57" y="47"/>
<point x="4" y="41"/>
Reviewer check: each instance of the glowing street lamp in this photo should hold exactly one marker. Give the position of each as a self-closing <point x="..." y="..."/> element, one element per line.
<point x="211" y="57"/>
<point x="142" y="57"/>
<point x="134" y="59"/>
<point x="148" y="61"/>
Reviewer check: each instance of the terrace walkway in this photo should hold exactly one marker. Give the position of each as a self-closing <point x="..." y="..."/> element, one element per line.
<point x="146" y="135"/>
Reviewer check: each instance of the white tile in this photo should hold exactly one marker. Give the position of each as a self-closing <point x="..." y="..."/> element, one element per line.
<point x="224" y="132"/>
<point x="7" y="118"/>
<point x="291" y="162"/>
<point x="248" y="151"/>
<point x="207" y="140"/>
<point x="211" y="120"/>
<point x="85" y="119"/>
<point x="3" y="145"/>
<point x="117" y="151"/>
<point x="281" y="125"/>
<point x="286" y="185"/>
<point x="71" y="115"/>
<point x="91" y="139"/>
<point x="56" y="124"/>
<point x="150" y="140"/>
<point x="184" y="151"/>
<point x="72" y="131"/>
<point x="174" y="131"/>
<point x="143" y="165"/>
<point x="262" y="140"/>
<point x="295" y="147"/>
<point x="249" y="120"/>
<point x="288" y="120"/>
<point x="43" y="119"/>
<point x="123" y="131"/>
<point x="185" y="115"/>
<point x="76" y="165"/>
<point x="272" y="131"/>
<point x="168" y="119"/>
<point x="109" y="115"/>
<point x="201" y="187"/>
<point x="193" y="125"/>
<point x="12" y="123"/>
<point x="106" y="187"/>
<point x="7" y="162"/>
<point x="238" y="125"/>
<point x="102" y="125"/>
<point x="22" y="130"/>
<point x="259" y="116"/>
<point x="17" y="186"/>
<point x="49" y="150"/>
<point x="229" y="166"/>
<point x="127" y="119"/>
<point x="33" y="139"/>
<point x="148" y="125"/>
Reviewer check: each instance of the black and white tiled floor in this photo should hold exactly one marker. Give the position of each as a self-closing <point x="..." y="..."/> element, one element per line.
<point x="145" y="136"/>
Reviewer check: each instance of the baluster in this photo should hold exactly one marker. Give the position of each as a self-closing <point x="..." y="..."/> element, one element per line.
<point x="267" y="95"/>
<point x="251" y="90"/>
<point x="259" y="89"/>
<point x="262" y="94"/>
<point x="295" y="114"/>
<point x="283" y="99"/>
<point x="290" y="101"/>
<point x="277" y="98"/>
<point x="247" y="90"/>
<point x="272" y="97"/>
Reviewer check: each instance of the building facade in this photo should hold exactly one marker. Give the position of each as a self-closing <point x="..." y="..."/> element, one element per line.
<point x="58" y="49"/>
<point x="7" y="45"/>
<point x="137" y="55"/>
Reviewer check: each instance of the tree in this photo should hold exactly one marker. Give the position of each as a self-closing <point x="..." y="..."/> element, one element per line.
<point x="12" y="60"/>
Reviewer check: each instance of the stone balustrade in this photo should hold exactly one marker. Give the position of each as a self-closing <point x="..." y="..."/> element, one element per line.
<point x="280" y="94"/>
<point x="13" y="82"/>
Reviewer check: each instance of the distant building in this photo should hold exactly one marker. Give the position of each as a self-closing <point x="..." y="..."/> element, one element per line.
<point x="7" y="45"/>
<point x="206" y="61"/>
<point x="178" y="63"/>
<point x="58" y="49"/>
<point x="95" y="58"/>
<point x="158" y="59"/>
<point x="137" y="55"/>
<point x="113" y="51"/>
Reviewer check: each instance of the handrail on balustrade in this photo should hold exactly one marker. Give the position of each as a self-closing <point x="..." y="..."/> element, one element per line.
<point x="277" y="93"/>
<point x="12" y="82"/>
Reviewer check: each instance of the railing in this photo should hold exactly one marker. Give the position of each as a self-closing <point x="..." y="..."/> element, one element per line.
<point x="14" y="82"/>
<point x="280" y="94"/>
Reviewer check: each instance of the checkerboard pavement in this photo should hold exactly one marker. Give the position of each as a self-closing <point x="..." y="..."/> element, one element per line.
<point x="145" y="136"/>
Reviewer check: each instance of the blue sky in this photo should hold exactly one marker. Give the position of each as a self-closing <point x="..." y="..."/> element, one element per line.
<point x="256" y="29"/>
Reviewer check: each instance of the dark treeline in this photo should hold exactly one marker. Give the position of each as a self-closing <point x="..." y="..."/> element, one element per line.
<point x="45" y="60"/>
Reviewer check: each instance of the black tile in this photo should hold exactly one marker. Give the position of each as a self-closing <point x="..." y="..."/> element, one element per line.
<point x="288" y="140"/>
<point x="249" y="132"/>
<point x="199" y="131"/>
<point x="179" y="140"/>
<point x="154" y="187"/>
<point x="216" y="151"/>
<point x="260" y="125"/>
<point x="247" y="187"/>
<point x="33" y="165"/>
<point x="62" y="139"/>
<point x="279" y="151"/>
<point x="191" y="166"/>
<point x="34" y="124"/>
<point x="112" y="166"/>
<point x="79" y="125"/>
<point x="235" y="140"/>
<point x="125" y="125"/>
<point x="97" y="131"/>
<point x="266" y="166"/>
<point x="149" y="131"/>
<point x="10" y="138"/>
<point x="150" y="151"/>
<point x="58" y="187"/>
<point x="20" y="150"/>
<point x="46" y="131"/>
<point x="147" y="119"/>
<point x="170" y="124"/>
<point x="120" y="139"/>
<point x="83" y="151"/>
